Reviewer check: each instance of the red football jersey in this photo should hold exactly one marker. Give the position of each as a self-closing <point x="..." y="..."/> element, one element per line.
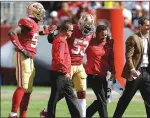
<point x="78" y="45"/>
<point x="29" y="38"/>
<point x="61" y="61"/>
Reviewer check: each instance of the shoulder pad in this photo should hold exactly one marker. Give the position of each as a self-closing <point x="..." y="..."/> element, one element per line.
<point x="26" y="22"/>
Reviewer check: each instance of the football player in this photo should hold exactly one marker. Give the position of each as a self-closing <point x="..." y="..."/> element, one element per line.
<point x="25" y="37"/>
<point x="81" y="36"/>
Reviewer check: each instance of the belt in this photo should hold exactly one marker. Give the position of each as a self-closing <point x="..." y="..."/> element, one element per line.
<point x="143" y="68"/>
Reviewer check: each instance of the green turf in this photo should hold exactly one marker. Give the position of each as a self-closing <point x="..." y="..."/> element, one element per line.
<point x="40" y="97"/>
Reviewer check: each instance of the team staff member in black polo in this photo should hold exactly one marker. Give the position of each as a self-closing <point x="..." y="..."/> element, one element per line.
<point x="137" y="68"/>
<point x="61" y="83"/>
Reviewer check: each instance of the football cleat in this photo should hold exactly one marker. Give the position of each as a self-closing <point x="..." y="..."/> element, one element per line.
<point x="13" y="115"/>
<point x="43" y="114"/>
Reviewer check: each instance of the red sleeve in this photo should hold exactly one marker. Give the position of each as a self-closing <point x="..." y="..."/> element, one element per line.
<point x="63" y="67"/>
<point x="48" y="30"/>
<point x="26" y="22"/>
<point x="61" y="51"/>
<point x="60" y="56"/>
<point x="15" y="41"/>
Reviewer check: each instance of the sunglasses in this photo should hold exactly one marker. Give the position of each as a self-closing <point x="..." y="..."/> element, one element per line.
<point x="70" y="30"/>
<point x="104" y="35"/>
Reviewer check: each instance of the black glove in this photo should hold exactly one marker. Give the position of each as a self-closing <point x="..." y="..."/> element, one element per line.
<point x="51" y="37"/>
<point x="25" y="53"/>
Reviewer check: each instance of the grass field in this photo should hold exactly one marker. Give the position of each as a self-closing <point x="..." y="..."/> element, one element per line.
<point x="40" y="97"/>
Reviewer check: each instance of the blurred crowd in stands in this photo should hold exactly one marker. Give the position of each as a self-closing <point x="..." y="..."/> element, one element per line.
<point x="58" y="11"/>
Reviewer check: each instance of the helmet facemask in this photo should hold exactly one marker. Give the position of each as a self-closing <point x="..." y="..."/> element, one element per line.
<point x="86" y="24"/>
<point x="87" y="29"/>
<point x="39" y="14"/>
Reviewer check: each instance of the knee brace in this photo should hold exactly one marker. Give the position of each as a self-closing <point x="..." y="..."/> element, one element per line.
<point x="81" y="94"/>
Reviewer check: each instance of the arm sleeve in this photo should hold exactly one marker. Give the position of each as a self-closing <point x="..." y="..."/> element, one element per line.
<point x="60" y="57"/>
<point x="25" y="22"/>
<point x="15" y="41"/>
<point x="61" y="51"/>
<point x="13" y="33"/>
<point x="130" y="43"/>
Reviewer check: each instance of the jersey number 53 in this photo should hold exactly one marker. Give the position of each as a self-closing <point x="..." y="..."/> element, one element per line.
<point x="79" y="47"/>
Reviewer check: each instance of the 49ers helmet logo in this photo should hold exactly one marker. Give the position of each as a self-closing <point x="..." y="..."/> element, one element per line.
<point x="36" y="10"/>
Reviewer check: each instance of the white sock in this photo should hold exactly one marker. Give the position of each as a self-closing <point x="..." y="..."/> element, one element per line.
<point x="45" y="109"/>
<point x="12" y="114"/>
<point x="82" y="103"/>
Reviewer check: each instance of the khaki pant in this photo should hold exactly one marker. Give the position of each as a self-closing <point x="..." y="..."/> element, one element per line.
<point x="25" y="71"/>
<point x="78" y="77"/>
